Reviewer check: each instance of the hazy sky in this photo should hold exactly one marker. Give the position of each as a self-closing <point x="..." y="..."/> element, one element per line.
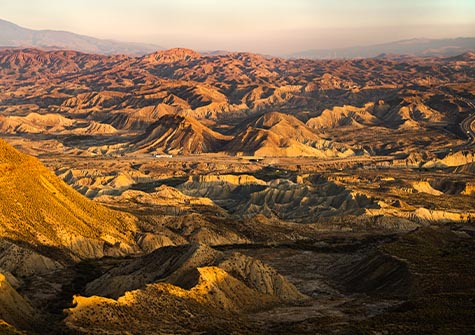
<point x="266" y="26"/>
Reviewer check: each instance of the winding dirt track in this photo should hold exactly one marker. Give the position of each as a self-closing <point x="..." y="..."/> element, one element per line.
<point x="467" y="126"/>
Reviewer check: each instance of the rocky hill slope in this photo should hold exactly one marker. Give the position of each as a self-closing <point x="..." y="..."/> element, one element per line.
<point x="326" y="108"/>
<point x="174" y="134"/>
<point x="40" y="210"/>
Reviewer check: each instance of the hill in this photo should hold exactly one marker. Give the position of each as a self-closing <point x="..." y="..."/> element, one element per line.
<point x="277" y="134"/>
<point x="163" y="289"/>
<point x="227" y="91"/>
<point x="174" y="134"/>
<point x="170" y="56"/>
<point x="40" y="210"/>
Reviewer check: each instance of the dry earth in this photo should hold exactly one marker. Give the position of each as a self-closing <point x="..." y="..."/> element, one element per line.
<point x="178" y="193"/>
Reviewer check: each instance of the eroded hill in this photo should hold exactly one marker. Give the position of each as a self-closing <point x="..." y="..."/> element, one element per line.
<point x="40" y="210"/>
<point x="114" y="100"/>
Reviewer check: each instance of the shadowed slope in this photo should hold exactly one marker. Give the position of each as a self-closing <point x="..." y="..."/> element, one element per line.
<point x="174" y="288"/>
<point x="179" y="134"/>
<point x="14" y="309"/>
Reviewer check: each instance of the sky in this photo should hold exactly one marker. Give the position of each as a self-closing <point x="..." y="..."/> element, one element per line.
<point x="277" y="27"/>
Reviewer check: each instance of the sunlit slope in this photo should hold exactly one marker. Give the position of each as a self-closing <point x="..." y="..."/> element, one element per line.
<point x="38" y="208"/>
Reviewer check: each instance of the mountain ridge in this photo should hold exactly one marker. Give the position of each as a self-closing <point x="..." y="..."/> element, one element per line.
<point x="13" y="35"/>
<point x="16" y="36"/>
<point x="411" y="47"/>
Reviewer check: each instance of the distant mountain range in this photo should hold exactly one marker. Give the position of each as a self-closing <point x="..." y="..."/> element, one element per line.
<point x="413" y="47"/>
<point x="12" y="35"/>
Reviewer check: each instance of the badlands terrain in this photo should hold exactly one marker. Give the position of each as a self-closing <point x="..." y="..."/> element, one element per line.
<point x="232" y="193"/>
